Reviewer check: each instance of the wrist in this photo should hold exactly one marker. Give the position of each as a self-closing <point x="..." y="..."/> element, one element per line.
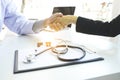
<point x="39" y="25"/>
<point x="72" y="19"/>
<point x="45" y="23"/>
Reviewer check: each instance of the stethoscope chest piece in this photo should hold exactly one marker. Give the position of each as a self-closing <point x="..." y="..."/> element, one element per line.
<point x="29" y="59"/>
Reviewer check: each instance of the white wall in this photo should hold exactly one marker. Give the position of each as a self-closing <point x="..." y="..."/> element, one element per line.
<point x="116" y="8"/>
<point x="44" y="8"/>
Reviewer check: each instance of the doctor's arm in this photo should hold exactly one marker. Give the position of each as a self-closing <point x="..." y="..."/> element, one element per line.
<point x="18" y="23"/>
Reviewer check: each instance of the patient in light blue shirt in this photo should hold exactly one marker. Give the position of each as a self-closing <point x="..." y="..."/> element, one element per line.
<point x="17" y="23"/>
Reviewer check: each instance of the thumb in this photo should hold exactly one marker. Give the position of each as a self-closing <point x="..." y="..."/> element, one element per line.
<point x="54" y="17"/>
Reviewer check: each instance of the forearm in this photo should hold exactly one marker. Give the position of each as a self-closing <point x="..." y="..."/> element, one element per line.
<point x="71" y="19"/>
<point x="39" y="25"/>
<point x="89" y="26"/>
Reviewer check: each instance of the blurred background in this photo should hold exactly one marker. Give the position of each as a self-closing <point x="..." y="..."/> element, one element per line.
<point x="39" y="9"/>
<point x="104" y="10"/>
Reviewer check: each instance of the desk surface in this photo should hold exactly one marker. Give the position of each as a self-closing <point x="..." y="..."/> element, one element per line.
<point x="104" y="46"/>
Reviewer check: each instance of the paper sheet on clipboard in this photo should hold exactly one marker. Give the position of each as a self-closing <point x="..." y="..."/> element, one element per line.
<point x="47" y="60"/>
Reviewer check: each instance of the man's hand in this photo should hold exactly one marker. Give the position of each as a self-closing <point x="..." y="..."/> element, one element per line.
<point x="61" y="22"/>
<point x="52" y="19"/>
<point x="42" y="24"/>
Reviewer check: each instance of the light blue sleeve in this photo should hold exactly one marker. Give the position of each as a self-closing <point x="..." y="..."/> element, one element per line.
<point x="17" y="22"/>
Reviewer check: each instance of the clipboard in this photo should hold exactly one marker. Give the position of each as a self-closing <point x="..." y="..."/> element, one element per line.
<point x="48" y="61"/>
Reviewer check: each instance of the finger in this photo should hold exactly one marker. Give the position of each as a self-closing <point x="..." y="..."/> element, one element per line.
<point x="53" y="26"/>
<point x="54" y="20"/>
<point x="59" y="23"/>
<point x="56" y="28"/>
<point x="54" y="17"/>
<point x="60" y="26"/>
<point x="58" y="14"/>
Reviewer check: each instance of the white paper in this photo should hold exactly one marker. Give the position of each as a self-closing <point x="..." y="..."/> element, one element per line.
<point x="49" y="58"/>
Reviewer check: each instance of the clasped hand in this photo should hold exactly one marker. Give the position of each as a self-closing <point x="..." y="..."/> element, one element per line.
<point x="58" y="21"/>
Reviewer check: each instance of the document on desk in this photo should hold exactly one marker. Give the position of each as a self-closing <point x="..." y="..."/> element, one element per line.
<point x="47" y="60"/>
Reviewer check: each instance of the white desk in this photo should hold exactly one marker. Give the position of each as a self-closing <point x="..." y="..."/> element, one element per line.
<point x="109" y="69"/>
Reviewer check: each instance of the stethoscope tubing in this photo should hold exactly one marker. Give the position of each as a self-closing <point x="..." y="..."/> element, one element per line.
<point x="75" y="59"/>
<point x="58" y="54"/>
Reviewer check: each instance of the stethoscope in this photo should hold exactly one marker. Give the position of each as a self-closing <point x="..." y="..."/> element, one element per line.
<point x="59" y="53"/>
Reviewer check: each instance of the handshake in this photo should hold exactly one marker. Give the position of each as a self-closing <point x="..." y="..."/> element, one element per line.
<point x="58" y="21"/>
